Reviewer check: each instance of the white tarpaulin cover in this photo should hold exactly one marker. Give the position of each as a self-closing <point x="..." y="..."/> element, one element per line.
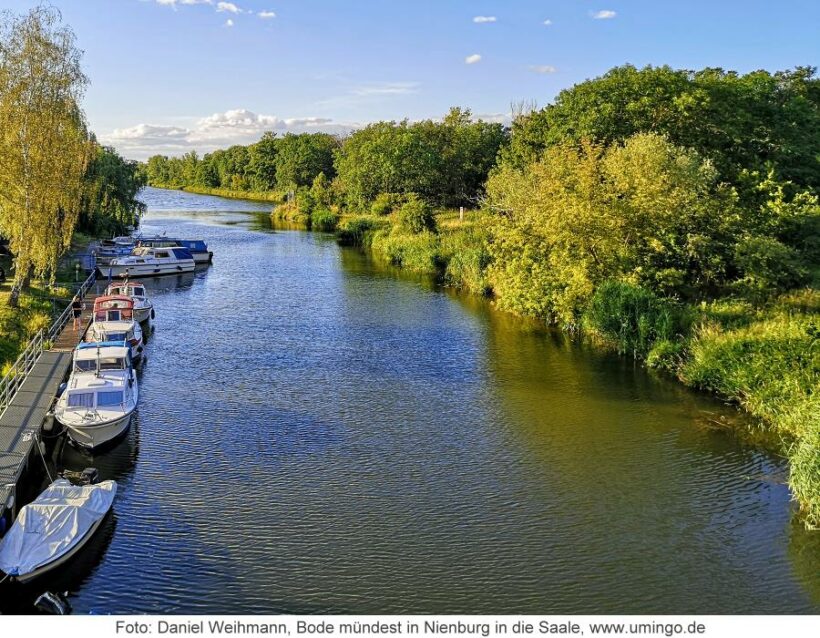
<point x="54" y="523"/>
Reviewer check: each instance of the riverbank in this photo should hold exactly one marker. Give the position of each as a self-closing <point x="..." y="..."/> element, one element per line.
<point x="275" y="197"/>
<point x="764" y="359"/>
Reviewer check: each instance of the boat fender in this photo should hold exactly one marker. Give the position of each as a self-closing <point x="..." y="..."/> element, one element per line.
<point x="54" y="604"/>
<point x="42" y="445"/>
<point x="61" y="389"/>
<point x="153" y="314"/>
<point x="48" y="422"/>
<point x="2" y="526"/>
<point x="90" y="476"/>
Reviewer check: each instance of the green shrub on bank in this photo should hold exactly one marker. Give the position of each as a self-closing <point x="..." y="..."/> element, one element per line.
<point x="357" y="230"/>
<point x="416" y="216"/>
<point x="418" y="252"/>
<point x="633" y="318"/>
<point x="323" y="219"/>
<point x="804" y="476"/>
<point x="386" y="203"/>
<point x="465" y="253"/>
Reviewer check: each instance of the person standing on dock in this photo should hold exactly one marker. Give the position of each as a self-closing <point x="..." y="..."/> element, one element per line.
<point x="77" y="310"/>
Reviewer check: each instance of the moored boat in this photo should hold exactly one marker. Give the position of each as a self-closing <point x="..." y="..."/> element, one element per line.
<point x="54" y="527"/>
<point x="143" y="308"/>
<point x="197" y="247"/>
<point x="146" y="261"/>
<point x="101" y="394"/>
<point x="109" y="249"/>
<point x="113" y="320"/>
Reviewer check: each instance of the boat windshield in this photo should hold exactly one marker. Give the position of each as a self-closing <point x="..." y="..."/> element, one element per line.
<point x="106" y="363"/>
<point x="115" y="336"/>
<point x="109" y="398"/>
<point x="138" y="292"/>
<point x="81" y="400"/>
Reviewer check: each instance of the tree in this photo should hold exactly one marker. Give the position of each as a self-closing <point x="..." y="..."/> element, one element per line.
<point x="300" y="159"/>
<point x="745" y="124"/>
<point x="44" y="144"/>
<point x="645" y="212"/>
<point x="109" y="202"/>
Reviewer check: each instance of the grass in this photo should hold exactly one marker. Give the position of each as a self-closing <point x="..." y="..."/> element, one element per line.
<point x="769" y="364"/>
<point x="275" y="197"/>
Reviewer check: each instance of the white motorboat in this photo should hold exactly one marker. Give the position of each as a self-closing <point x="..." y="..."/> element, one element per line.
<point x="152" y="261"/>
<point x="101" y="394"/>
<point x="197" y="247"/>
<point x="113" y="320"/>
<point x="54" y="527"/>
<point x="143" y="308"/>
<point x="109" y="249"/>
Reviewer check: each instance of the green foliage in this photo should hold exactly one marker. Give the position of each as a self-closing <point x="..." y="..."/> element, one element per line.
<point x="301" y="158"/>
<point x="415" y="251"/>
<point x="286" y="163"/>
<point x="767" y="266"/>
<point x="386" y="203"/>
<point x="445" y="163"/>
<point x="416" y="216"/>
<point x="745" y="124"/>
<point x="358" y="230"/>
<point x="666" y="355"/>
<point x="633" y="318"/>
<point x="110" y="205"/>
<point x="465" y="251"/>
<point x="645" y="211"/>
<point x="323" y="219"/>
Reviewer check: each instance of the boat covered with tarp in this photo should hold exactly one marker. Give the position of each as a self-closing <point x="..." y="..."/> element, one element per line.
<point x="54" y="527"/>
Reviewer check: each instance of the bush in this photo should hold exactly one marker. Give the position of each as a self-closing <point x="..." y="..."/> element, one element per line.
<point x="632" y="317"/>
<point x="767" y="266"/>
<point x="323" y="219"/>
<point x="418" y="252"/>
<point x="465" y="252"/>
<point x="416" y="216"/>
<point x="666" y="355"/>
<point x="386" y="203"/>
<point x="354" y="231"/>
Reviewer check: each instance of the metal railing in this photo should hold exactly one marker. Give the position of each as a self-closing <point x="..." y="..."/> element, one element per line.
<point x="18" y="373"/>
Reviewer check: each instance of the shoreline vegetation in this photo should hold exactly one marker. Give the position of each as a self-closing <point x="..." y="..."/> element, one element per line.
<point x="669" y="214"/>
<point x="58" y="185"/>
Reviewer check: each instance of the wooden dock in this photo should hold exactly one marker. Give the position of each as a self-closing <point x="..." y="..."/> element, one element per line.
<point x="30" y="392"/>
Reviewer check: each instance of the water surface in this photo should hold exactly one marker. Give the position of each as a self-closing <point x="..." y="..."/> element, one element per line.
<point x="318" y="434"/>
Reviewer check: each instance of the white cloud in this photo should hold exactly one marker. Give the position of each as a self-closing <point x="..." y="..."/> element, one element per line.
<point x="219" y="130"/>
<point x="472" y="59"/>
<point x="228" y="7"/>
<point x="604" y="14"/>
<point x="387" y="88"/>
<point x="543" y="68"/>
<point x="547" y="23"/>
<point x="174" y="3"/>
<point x="484" y="19"/>
<point x="228" y="23"/>
<point x="266" y="15"/>
<point x="372" y="92"/>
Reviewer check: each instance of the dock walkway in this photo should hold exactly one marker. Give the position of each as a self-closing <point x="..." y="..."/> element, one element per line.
<point x="42" y="368"/>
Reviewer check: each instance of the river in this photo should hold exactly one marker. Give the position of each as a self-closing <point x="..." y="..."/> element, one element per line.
<point x="318" y="433"/>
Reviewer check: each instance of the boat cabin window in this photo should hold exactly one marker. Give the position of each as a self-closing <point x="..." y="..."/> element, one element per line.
<point x="115" y="336"/>
<point x="109" y="398"/>
<point x="138" y="292"/>
<point x="106" y="363"/>
<point x="162" y="254"/>
<point x="81" y="400"/>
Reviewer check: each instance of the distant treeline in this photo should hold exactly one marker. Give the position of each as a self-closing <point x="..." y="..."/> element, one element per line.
<point x="446" y="162"/>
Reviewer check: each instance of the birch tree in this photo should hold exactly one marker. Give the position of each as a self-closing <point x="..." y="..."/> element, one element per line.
<point x="44" y="142"/>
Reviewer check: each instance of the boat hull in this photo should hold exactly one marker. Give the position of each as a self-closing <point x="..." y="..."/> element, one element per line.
<point x="143" y="314"/>
<point x="91" y="437"/>
<point x="44" y="569"/>
<point x="148" y="270"/>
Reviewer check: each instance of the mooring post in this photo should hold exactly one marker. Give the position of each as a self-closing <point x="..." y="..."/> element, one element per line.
<point x="461" y="213"/>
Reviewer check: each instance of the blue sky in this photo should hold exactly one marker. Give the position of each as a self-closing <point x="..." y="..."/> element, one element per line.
<point x="171" y="75"/>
